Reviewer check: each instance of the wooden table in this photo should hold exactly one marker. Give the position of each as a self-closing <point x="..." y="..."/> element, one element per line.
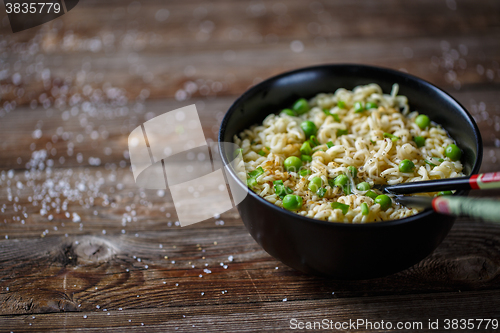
<point x="83" y="249"/>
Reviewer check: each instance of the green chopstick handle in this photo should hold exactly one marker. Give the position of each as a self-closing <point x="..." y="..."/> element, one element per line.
<point x="485" y="209"/>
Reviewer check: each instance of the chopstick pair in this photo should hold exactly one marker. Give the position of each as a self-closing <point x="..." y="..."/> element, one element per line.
<point x="475" y="182"/>
<point x="485" y="209"/>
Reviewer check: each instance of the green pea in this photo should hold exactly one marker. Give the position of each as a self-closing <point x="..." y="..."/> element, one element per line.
<point x="309" y="128"/>
<point x="315" y="184"/>
<point x="359" y="107"/>
<point x="384" y="201"/>
<point x="292" y="202"/>
<point x="371" y="105"/>
<point x="341" y="180"/>
<point x="453" y="152"/>
<point x="352" y="170"/>
<point x="422" y="121"/>
<point x="420" y="141"/>
<point x="293" y="163"/>
<point x="289" y="112"/>
<point x="341" y="104"/>
<point x="364" y="186"/>
<point x="306" y="149"/>
<point x="406" y="166"/>
<point x="444" y="193"/>
<point x="306" y="158"/>
<point x="364" y="209"/>
<point x="301" y="106"/>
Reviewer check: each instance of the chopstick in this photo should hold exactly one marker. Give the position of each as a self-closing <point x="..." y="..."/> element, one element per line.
<point x="484" y="209"/>
<point x="480" y="181"/>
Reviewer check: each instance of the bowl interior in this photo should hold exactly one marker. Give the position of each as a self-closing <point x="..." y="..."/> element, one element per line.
<point x="276" y="93"/>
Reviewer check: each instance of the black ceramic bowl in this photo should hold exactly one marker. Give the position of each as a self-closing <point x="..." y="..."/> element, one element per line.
<point x="340" y="250"/>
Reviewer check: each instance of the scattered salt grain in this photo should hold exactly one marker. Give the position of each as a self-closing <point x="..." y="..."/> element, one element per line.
<point x="76" y="218"/>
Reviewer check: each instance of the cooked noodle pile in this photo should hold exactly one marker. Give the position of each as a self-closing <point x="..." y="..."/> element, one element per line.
<point x="374" y="140"/>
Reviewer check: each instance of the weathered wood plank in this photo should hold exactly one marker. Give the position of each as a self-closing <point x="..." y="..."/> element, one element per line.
<point x="238" y="68"/>
<point x="290" y="20"/>
<point x="76" y="273"/>
<point x="111" y="132"/>
<point x="262" y="316"/>
<point x="236" y="44"/>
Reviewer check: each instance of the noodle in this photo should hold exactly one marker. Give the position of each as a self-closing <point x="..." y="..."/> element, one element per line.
<point x="374" y="141"/>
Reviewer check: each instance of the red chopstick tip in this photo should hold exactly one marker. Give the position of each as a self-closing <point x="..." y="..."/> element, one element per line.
<point x="440" y="205"/>
<point x="473" y="182"/>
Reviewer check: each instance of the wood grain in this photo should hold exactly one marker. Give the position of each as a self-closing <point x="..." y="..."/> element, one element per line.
<point x="112" y="271"/>
<point x="16" y="132"/>
<point x="227" y="317"/>
<point x="259" y="44"/>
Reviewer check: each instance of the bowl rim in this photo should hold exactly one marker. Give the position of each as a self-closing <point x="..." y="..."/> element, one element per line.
<point x="424" y="214"/>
